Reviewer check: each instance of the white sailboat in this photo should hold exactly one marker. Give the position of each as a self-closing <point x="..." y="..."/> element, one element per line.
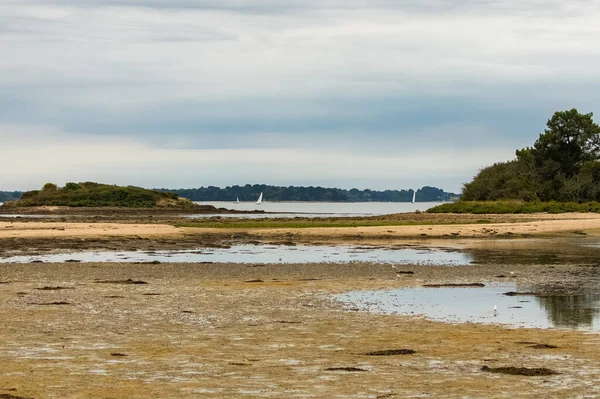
<point x="260" y="199"/>
<point x="414" y="196"/>
<point x="237" y="200"/>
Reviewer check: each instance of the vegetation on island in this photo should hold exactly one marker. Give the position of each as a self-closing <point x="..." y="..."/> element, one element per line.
<point x="91" y="194"/>
<point x="250" y="192"/>
<point x="559" y="173"/>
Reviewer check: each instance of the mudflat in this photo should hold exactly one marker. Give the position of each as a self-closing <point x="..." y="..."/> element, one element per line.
<point x="240" y="331"/>
<point x="124" y="330"/>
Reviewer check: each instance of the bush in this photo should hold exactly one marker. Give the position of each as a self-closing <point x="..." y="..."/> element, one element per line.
<point x="504" y="207"/>
<point x="50" y="187"/>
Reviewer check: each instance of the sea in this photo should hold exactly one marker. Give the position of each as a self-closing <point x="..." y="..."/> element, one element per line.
<point x="304" y="209"/>
<point x="319" y="209"/>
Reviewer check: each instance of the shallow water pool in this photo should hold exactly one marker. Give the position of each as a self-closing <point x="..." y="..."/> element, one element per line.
<point x="268" y="254"/>
<point x="476" y="305"/>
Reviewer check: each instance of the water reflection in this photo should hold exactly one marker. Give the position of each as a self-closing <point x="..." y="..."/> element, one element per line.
<point x="536" y="253"/>
<point x="272" y="254"/>
<point x="511" y="252"/>
<point x="581" y="311"/>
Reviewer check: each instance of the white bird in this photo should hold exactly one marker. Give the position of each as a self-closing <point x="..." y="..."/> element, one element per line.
<point x="495" y="310"/>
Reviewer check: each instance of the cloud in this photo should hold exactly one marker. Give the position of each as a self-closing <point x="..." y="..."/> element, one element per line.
<point x="357" y="78"/>
<point x="271" y="7"/>
<point x="37" y="155"/>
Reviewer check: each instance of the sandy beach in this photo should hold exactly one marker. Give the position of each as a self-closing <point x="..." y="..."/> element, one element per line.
<point x="511" y="225"/>
<point x="61" y="229"/>
<point x="588" y="224"/>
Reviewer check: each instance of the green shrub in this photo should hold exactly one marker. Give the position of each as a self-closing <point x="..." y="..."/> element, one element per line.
<point x="504" y="207"/>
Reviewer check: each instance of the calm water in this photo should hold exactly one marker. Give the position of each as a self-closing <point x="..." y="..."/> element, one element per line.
<point x="519" y="253"/>
<point x="320" y="209"/>
<point x="300" y="209"/>
<point x="268" y="254"/>
<point x="476" y="305"/>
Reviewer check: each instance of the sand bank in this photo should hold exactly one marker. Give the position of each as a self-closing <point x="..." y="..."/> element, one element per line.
<point x="61" y="229"/>
<point x="546" y="225"/>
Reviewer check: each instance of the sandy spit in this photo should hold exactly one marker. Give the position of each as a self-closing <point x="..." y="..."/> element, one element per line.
<point x="546" y="225"/>
<point x="61" y="229"/>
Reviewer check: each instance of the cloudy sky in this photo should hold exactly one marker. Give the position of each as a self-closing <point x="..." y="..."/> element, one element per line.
<point x="380" y="94"/>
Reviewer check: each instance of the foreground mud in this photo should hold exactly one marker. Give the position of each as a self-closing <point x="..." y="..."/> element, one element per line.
<point x="241" y="331"/>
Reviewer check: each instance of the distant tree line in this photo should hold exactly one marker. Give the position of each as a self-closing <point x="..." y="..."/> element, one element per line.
<point x="562" y="165"/>
<point x="291" y="193"/>
<point x="10" y="195"/>
<point x="250" y="192"/>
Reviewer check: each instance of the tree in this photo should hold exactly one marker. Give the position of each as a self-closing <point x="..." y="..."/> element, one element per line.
<point x="570" y="140"/>
<point x="504" y="180"/>
<point x="49" y="187"/>
<point x="562" y="165"/>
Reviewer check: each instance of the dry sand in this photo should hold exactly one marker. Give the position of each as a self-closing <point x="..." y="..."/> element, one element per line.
<point x="61" y="229"/>
<point x="545" y="225"/>
<point x="589" y="225"/>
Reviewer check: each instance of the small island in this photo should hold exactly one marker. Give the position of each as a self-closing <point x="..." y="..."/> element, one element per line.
<point x="90" y="196"/>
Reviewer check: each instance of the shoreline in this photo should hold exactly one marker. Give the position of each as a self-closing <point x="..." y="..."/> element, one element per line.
<point x="538" y="226"/>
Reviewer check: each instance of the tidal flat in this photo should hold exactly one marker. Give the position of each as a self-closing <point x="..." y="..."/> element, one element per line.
<point x="243" y="330"/>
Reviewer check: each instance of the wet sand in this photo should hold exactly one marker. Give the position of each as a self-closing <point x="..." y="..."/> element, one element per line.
<point x="215" y="331"/>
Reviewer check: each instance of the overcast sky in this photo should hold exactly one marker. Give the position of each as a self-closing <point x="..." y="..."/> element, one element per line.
<point x="378" y="94"/>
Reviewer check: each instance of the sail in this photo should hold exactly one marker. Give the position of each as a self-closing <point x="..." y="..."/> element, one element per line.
<point x="414" y="196"/>
<point x="259" y="199"/>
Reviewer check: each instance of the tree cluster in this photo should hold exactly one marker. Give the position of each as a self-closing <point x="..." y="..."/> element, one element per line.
<point x="562" y="165"/>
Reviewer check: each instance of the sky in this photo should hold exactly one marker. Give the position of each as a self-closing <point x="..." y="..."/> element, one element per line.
<point x="377" y="94"/>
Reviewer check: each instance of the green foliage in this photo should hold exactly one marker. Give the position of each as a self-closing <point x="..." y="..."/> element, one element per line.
<point x="291" y="193"/>
<point x="91" y="194"/>
<point x="504" y="207"/>
<point x="50" y="187"/>
<point x="504" y="180"/>
<point x="570" y="140"/>
<point x="563" y="165"/>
